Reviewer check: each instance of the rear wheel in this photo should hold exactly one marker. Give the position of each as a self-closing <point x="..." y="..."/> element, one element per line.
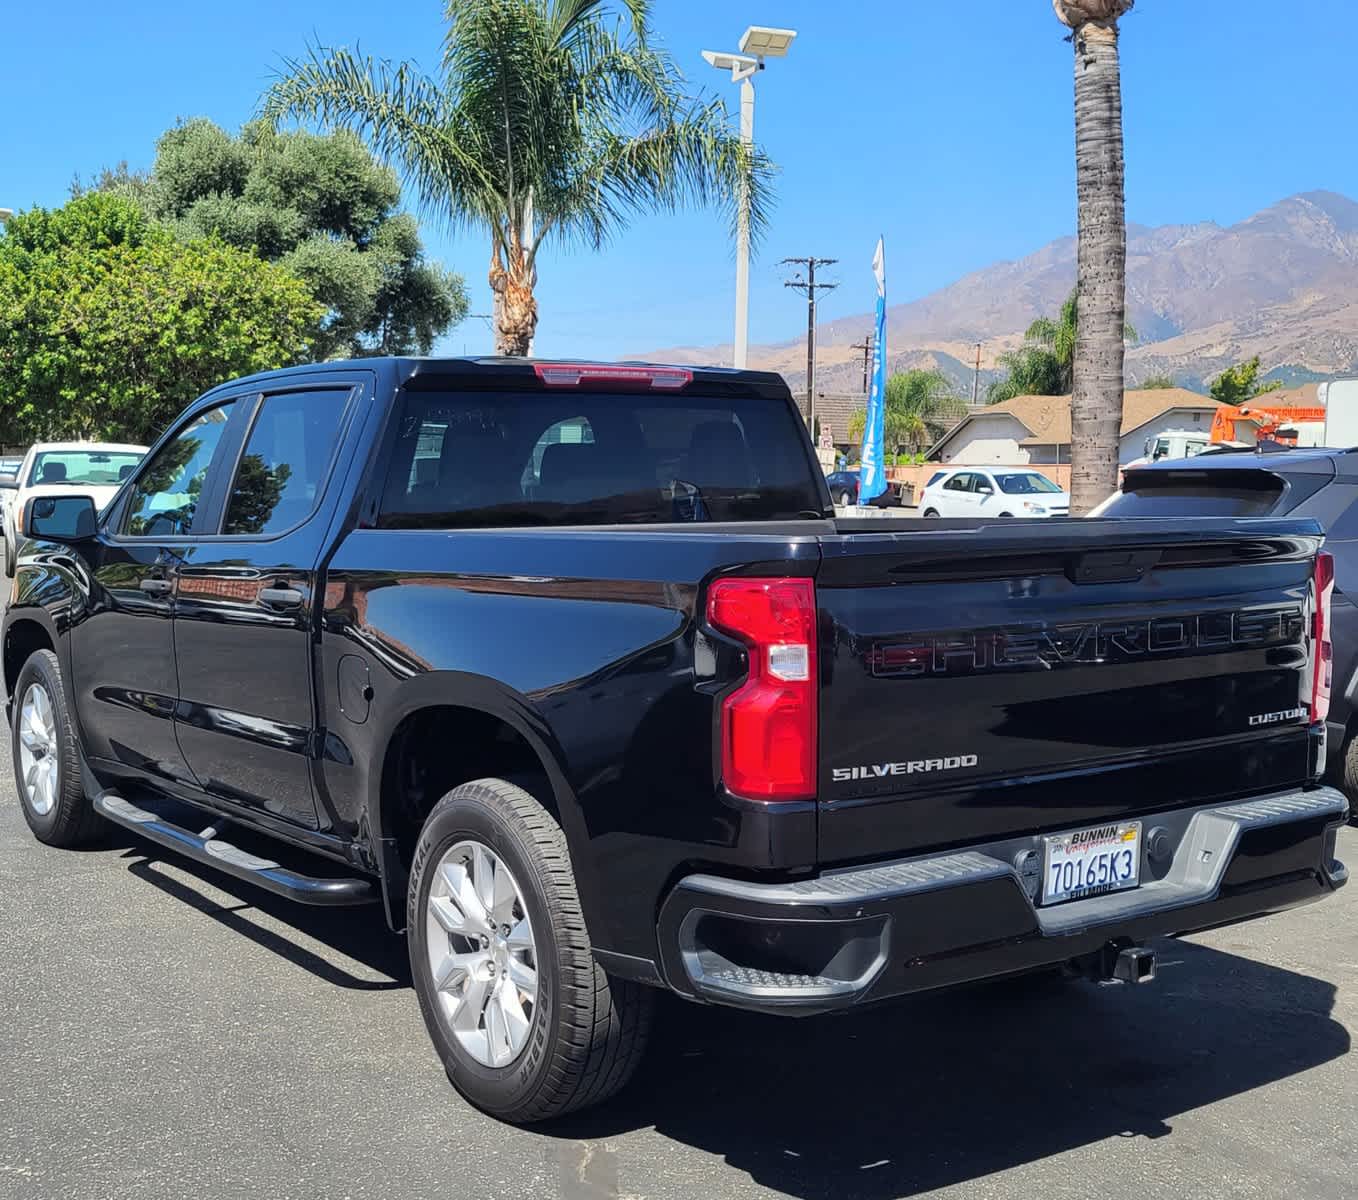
<point x="46" y="759"/>
<point x="1006" y="514"/>
<point x="844" y="499"/>
<point x="9" y="558"/>
<point x="528" y="1025"/>
<point x="931" y="512"/>
<point x="1349" y="783"/>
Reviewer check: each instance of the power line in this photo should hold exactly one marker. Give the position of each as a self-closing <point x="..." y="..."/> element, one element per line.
<point x="809" y="287"/>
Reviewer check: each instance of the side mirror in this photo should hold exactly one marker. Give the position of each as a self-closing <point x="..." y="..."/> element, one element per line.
<point x="60" y="518"/>
<point x="9" y="481"/>
<point x="985" y="490"/>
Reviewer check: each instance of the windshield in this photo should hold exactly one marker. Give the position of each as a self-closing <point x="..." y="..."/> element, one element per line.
<point x="482" y="460"/>
<point x="98" y="468"/>
<point x="1025" y="483"/>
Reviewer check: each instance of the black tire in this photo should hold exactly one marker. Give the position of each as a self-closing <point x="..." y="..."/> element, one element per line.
<point x="931" y="513"/>
<point x="71" y="820"/>
<point x="10" y="562"/>
<point x="844" y="500"/>
<point x="589" y="1030"/>
<point x="1349" y="777"/>
<point x="1007" y="515"/>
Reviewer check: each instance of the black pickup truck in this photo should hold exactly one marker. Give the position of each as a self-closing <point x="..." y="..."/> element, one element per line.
<point x="571" y="667"/>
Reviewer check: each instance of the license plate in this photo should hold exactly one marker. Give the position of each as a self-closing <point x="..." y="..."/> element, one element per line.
<point x="1090" y="862"/>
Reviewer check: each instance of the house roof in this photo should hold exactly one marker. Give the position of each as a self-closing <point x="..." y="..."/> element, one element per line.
<point x="837" y="409"/>
<point x="1047" y="418"/>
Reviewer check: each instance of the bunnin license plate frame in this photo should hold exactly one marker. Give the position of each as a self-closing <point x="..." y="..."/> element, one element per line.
<point x="1094" y="860"/>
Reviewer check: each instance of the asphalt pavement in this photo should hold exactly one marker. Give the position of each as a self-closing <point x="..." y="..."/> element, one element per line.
<point x="166" y="1032"/>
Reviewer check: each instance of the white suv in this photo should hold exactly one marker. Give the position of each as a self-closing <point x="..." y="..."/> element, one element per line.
<point x="992" y="492"/>
<point x="62" y="468"/>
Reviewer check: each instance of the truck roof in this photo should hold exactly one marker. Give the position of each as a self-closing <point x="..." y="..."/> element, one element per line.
<point x="488" y="368"/>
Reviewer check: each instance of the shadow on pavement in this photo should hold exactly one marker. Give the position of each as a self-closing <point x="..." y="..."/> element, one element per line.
<point x="360" y="933"/>
<point x="948" y="1088"/>
<point x="901" y="1099"/>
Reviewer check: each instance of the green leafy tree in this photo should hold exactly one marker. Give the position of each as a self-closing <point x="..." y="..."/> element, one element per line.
<point x="1240" y="383"/>
<point x="109" y="325"/>
<point x="920" y="405"/>
<point x="257" y="492"/>
<point x="322" y="208"/>
<point x="1158" y="383"/>
<point x="548" y="118"/>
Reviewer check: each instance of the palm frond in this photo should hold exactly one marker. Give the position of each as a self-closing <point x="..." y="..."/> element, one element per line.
<point x="404" y="116"/>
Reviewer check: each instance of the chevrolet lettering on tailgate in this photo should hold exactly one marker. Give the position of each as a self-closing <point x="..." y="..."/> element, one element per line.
<point x="1089" y="643"/>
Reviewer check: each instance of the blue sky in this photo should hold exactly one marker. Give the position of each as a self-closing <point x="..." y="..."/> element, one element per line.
<point x="952" y="137"/>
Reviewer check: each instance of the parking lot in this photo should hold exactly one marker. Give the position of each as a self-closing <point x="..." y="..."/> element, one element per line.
<point x="165" y="1032"/>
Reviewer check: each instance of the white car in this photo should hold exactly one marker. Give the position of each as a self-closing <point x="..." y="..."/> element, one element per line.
<point x="992" y="492"/>
<point x="59" y="468"/>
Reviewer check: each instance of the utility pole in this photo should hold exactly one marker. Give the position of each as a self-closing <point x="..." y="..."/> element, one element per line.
<point x="976" y="378"/>
<point x="809" y="287"/>
<point x="866" y="346"/>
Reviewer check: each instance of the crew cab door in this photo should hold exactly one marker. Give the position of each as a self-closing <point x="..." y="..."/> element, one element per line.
<point x="122" y="644"/>
<point x="246" y="716"/>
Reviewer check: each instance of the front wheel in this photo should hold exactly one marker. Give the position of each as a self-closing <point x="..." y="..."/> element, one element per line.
<point x="528" y="1025"/>
<point x="46" y="760"/>
<point x="844" y="500"/>
<point x="931" y="513"/>
<point x="10" y="558"/>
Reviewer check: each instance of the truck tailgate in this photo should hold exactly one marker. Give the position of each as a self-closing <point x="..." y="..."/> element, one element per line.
<point x="979" y="681"/>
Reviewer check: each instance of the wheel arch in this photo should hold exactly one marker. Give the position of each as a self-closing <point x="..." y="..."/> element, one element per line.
<point x="23" y="635"/>
<point x="448" y="728"/>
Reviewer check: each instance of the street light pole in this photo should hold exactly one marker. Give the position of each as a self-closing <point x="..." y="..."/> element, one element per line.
<point x="742" y="333"/>
<point x="758" y="43"/>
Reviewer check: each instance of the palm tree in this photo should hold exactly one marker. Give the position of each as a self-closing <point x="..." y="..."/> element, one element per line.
<point x="1045" y="364"/>
<point x="547" y="118"/>
<point x="1096" y="402"/>
<point x="920" y="404"/>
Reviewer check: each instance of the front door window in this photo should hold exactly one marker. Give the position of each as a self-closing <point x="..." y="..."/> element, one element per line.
<point x="166" y="494"/>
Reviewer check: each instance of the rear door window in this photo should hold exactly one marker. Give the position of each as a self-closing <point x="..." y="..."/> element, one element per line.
<point x="468" y="459"/>
<point x="286" y="460"/>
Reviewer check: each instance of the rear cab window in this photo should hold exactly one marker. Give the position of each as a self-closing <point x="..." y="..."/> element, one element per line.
<point x="486" y="459"/>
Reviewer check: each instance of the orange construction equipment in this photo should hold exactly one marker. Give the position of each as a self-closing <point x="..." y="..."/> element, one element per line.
<point x="1271" y="424"/>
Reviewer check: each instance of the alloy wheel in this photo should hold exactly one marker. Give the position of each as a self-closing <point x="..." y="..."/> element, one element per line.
<point x="38" y="758"/>
<point x="482" y="955"/>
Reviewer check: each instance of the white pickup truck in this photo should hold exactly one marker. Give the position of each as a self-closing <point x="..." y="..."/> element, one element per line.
<point x="55" y="468"/>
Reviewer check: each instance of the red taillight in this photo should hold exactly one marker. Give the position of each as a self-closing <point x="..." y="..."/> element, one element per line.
<point x="574" y="374"/>
<point x="1322" y="636"/>
<point x="768" y="724"/>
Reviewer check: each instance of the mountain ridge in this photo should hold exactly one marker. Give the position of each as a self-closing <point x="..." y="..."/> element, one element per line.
<point x="1281" y="283"/>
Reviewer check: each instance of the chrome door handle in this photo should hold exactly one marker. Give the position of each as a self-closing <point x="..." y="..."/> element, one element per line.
<point x="156" y="587"/>
<point x="280" y="597"/>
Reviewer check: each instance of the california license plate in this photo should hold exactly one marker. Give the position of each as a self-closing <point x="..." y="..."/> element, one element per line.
<point x="1089" y="862"/>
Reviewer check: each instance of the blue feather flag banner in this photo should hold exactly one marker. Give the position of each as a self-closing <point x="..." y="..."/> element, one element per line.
<point x="872" y="472"/>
